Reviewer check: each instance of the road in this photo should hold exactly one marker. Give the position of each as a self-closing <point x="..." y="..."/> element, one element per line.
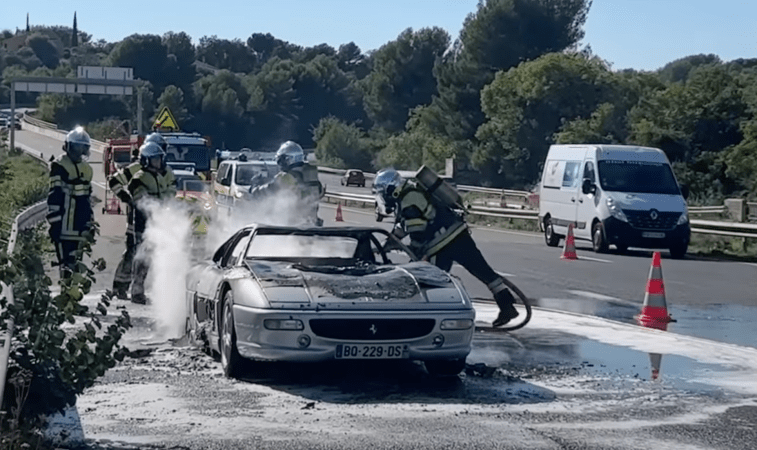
<point x="570" y="379"/>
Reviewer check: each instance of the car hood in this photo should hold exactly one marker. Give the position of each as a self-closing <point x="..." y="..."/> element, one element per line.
<point x="416" y="282"/>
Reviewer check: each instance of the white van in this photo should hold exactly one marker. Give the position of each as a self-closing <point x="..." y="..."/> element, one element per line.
<point x="235" y="177"/>
<point x="620" y="195"/>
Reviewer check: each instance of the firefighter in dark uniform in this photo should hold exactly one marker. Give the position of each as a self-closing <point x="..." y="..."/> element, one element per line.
<point x="119" y="184"/>
<point x="69" y="211"/>
<point x="298" y="177"/>
<point x="156" y="181"/>
<point x="439" y="234"/>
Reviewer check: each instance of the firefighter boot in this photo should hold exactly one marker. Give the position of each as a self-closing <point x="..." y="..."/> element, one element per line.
<point x="507" y="311"/>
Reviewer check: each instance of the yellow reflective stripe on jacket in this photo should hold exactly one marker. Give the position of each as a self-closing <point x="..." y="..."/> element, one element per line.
<point x="444" y="237"/>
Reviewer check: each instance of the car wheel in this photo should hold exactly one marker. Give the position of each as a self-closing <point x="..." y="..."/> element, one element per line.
<point x="678" y="251"/>
<point x="598" y="241"/>
<point x="550" y="237"/>
<point x="444" y="367"/>
<point x="231" y="361"/>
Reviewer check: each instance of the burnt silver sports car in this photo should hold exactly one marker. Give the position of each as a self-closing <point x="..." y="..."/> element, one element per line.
<point x="317" y="294"/>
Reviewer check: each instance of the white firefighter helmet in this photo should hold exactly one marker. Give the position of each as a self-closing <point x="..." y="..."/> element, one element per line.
<point x="289" y="155"/>
<point x="150" y="150"/>
<point x="77" y="144"/>
<point x="158" y="139"/>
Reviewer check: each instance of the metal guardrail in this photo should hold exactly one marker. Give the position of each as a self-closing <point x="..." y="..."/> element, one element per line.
<point x="28" y="218"/>
<point x="731" y="229"/>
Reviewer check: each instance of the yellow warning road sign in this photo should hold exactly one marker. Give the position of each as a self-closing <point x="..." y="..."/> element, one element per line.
<point x="166" y="121"/>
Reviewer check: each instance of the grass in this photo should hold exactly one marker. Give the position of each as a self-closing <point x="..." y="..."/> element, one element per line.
<point x="23" y="182"/>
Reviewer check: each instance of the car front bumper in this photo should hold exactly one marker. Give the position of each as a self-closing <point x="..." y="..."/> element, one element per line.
<point x="256" y="342"/>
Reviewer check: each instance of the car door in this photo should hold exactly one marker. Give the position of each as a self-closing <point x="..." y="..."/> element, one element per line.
<point x="587" y="202"/>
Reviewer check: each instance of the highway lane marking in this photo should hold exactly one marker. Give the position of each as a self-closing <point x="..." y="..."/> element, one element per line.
<point x="589" y="258"/>
<point x="517" y="233"/>
<point x="597" y="296"/>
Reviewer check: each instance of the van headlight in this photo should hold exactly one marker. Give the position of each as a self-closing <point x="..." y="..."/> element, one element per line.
<point x="615" y="210"/>
<point x="683" y="219"/>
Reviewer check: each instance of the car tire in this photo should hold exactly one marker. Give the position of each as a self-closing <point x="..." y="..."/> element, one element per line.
<point x="598" y="240"/>
<point x="678" y="251"/>
<point x="444" y="367"/>
<point x="550" y="237"/>
<point x="231" y="361"/>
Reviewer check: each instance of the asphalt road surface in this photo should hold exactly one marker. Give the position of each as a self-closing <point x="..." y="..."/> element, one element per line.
<point x="580" y="375"/>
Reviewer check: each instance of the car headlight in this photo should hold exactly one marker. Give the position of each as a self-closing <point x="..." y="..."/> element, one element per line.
<point x="683" y="219"/>
<point x="239" y="194"/>
<point x="283" y="324"/>
<point x="456" y="324"/>
<point x="615" y="210"/>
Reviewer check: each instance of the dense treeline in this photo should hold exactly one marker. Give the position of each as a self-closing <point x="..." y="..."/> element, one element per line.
<point x="495" y="98"/>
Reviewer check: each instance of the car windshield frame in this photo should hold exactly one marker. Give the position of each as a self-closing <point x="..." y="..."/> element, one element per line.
<point x="639" y="177"/>
<point x="334" y="235"/>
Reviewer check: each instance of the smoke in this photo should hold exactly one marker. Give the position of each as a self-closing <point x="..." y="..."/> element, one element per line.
<point x="170" y="246"/>
<point x="282" y="209"/>
<point x="168" y="239"/>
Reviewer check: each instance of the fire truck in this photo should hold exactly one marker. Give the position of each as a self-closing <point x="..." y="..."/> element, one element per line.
<point x="118" y="153"/>
<point x="190" y="148"/>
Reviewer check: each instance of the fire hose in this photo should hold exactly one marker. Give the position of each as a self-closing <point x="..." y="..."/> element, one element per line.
<point x="519" y="295"/>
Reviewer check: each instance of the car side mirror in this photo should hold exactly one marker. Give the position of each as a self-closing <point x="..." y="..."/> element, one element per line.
<point x="587" y="187"/>
<point x="685" y="191"/>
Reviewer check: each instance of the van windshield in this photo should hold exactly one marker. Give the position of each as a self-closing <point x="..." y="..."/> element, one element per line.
<point x="637" y="176"/>
<point x="249" y="174"/>
<point x="197" y="154"/>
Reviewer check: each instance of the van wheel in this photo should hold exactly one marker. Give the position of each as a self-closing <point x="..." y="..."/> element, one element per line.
<point x="678" y="251"/>
<point x="550" y="237"/>
<point x="598" y="241"/>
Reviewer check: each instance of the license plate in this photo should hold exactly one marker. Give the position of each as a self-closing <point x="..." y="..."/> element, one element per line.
<point x="370" y="351"/>
<point x="653" y="234"/>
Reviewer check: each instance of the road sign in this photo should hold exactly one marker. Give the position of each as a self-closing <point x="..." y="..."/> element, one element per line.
<point x="165" y="121"/>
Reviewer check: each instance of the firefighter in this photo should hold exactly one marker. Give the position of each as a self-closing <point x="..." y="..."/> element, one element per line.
<point x="119" y="184"/>
<point x="158" y="139"/>
<point x="154" y="180"/>
<point x="69" y="210"/>
<point x="439" y="234"/>
<point x="296" y="176"/>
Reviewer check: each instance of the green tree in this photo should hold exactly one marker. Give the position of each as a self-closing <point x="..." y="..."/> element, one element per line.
<point x="146" y="54"/>
<point x="232" y="55"/>
<point x="266" y="46"/>
<point x="352" y="62"/>
<point x="678" y="70"/>
<point x="341" y="145"/>
<point x="45" y="50"/>
<point x="402" y="76"/>
<point x="527" y="105"/>
<point x="173" y="98"/>
<point x="498" y="36"/>
<point x="75" y="34"/>
<point x="180" y="70"/>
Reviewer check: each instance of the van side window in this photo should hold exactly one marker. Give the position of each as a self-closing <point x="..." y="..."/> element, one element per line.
<point x="570" y="176"/>
<point x="589" y="172"/>
<point x="222" y="171"/>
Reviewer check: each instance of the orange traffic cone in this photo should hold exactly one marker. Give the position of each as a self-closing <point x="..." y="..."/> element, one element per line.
<point x="569" y="250"/>
<point x="654" y="311"/>
<point x="339" y="213"/>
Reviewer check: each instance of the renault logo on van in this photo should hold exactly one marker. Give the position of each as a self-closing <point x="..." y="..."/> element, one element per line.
<point x="653" y="214"/>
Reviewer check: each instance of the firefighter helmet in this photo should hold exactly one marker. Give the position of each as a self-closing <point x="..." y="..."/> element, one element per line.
<point x="158" y="139"/>
<point x="77" y="144"/>
<point x="290" y="155"/>
<point x="149" y="151"/>
<point x="385" y="184"/>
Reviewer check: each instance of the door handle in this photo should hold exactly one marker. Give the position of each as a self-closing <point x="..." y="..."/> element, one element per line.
<point x="573" y="199"/>
<point x="580" y="200"/>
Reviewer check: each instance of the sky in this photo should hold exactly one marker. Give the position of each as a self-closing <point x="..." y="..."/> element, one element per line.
<point x="635" y="34"/>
